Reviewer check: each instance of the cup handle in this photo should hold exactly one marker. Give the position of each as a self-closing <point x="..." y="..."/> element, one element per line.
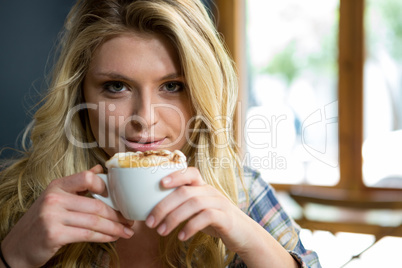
<point x="107" y="200"/>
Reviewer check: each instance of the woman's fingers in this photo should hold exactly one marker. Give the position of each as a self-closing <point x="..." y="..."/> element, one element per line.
<point x="68" y="198"/>
<point x="88" y="216"/>
<point x="188" y="210"/>
<point x="174" y="200"/>
<point x="198" y="204"/>
<point x="76" y="235"/>
<point x="62" y="215"/>
<point x="188" y="184"/>
<point x="97" y="224"/>
<point x="97" y="169"/>
<point x="65" y="228"/>
<point x="89" y="213"/>
<point x="190" y="176"/>
<point x="81" y="182"/>
<point x="93" y="206"/>
<point x="65" y="209"/>
<point x="201" y="205"/>
<point x="201" y="221"/>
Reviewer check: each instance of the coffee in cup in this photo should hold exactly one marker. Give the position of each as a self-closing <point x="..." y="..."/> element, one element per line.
<point x="133" y="180"/>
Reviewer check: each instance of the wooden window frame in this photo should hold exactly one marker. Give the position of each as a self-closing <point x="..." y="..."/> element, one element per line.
<point x="350" y="192"/>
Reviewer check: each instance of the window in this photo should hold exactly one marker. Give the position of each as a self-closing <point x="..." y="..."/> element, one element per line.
<point x="382" y="147"/>
<point x="291" y="127"/>
<point x="329" y="67"/>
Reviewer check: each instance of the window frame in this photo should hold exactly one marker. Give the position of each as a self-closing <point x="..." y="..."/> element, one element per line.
<point x="350" y="191"/>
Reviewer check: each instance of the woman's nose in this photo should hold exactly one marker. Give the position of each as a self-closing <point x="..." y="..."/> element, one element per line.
<point x="144" y="115"/>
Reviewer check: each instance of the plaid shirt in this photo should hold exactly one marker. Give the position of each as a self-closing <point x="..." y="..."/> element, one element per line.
<point x="265" y="209"/>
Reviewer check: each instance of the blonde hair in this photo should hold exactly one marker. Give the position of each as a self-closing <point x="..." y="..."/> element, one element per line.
<point x="212" y="86"/>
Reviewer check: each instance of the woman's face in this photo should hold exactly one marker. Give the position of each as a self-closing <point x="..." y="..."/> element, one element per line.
<point x="136" y="95"/>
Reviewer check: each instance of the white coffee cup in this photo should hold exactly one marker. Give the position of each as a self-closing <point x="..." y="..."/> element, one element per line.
<point x="136" y="191"/>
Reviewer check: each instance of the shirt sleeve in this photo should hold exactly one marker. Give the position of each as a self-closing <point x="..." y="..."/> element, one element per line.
<point x="265" y="209"/>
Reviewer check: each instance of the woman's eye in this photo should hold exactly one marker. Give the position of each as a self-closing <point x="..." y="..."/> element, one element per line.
<point x="115" y="86"/>
<point x="173" y="86"/>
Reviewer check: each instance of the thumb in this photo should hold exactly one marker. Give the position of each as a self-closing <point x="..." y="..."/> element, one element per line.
<point x="97" y="169"/>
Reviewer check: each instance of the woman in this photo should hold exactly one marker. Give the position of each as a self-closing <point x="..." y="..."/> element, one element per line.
<point x="134" y="76"/>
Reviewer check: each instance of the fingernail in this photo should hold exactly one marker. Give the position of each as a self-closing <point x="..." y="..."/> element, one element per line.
<point x="166" y="180"/>
<point x="150" y="221"/>
<point x="182" y="235"/>
<point x="161" y="229"/>
<point x="128" y="231"/>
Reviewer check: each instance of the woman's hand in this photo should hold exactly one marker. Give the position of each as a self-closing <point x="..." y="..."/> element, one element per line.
<point x="205" y="208"/>
<point x="63" y="215"/>
<point x="209" y="211"/>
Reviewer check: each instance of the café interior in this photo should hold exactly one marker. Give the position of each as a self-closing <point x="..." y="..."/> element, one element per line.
<point x="319" y="116"/>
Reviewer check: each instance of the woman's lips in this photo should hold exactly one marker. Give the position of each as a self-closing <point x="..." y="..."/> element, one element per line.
<point x="143" y="145"/>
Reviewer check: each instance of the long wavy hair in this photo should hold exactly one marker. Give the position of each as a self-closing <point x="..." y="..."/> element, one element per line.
<point x="212" y="87"/>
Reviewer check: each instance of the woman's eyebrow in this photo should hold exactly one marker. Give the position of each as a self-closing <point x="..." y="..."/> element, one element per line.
<point x="172" y="76"/>
<point x="118" y="76"/>
<point x="113" y="75"/>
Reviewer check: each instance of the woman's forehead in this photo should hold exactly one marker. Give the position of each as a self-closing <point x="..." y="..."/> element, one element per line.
<point x="138" y="53"/>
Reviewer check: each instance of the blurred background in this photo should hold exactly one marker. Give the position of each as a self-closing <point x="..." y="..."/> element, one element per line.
<point x="296" y="55"/>
<point x="344" y="190"/>
<point x="292" y="52"/>
<point x="29" y="31"/>
<point x="322" y="91"/>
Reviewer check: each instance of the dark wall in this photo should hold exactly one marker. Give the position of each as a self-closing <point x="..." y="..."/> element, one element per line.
<point x="28" y="32"/>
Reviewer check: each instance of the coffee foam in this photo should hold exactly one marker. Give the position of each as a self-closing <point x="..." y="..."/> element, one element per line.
<point x="146" y="159"/>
